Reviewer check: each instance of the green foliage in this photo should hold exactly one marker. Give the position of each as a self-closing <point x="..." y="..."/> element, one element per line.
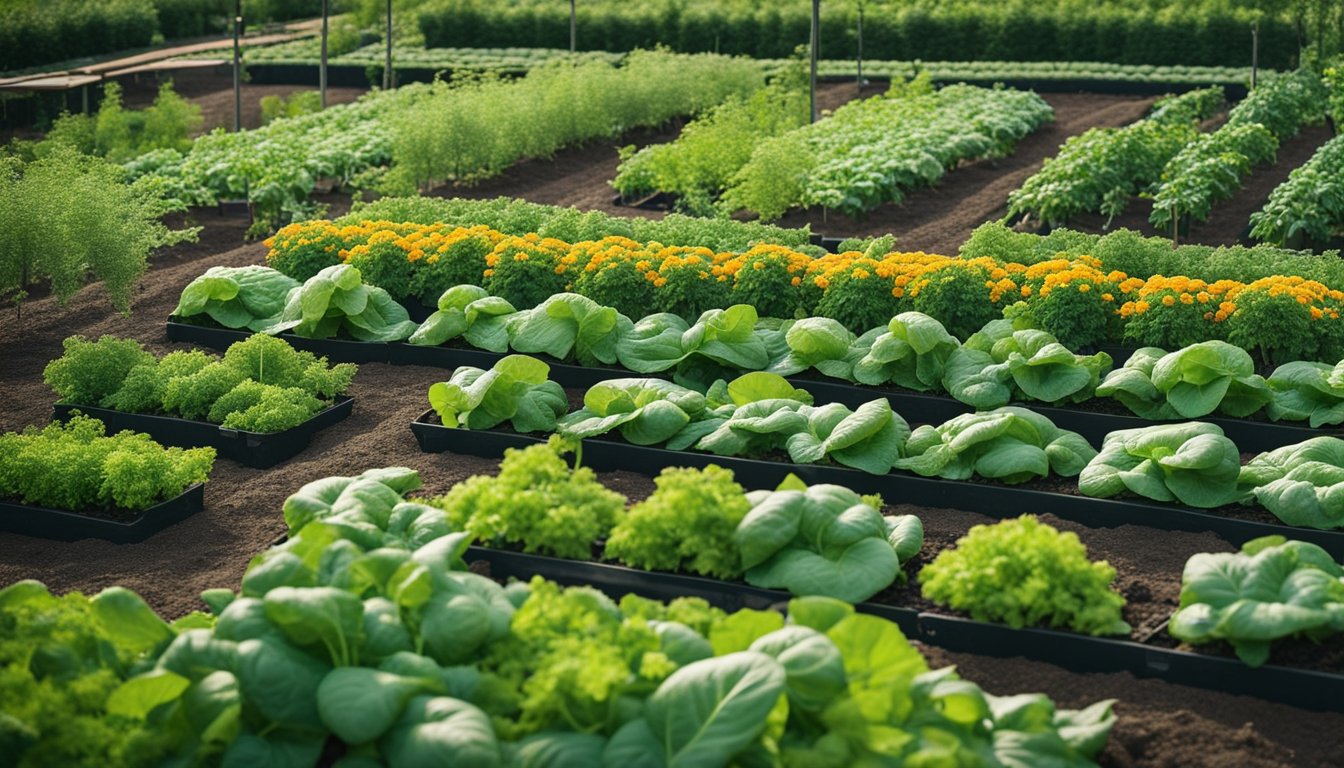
<point x="261" y="384"/>
<point x="1273" y="588"/>
<point x="454" y="134"/>
<point x="1024" y="573"/>
<point x="722" y="337"/>
<point x="68" y="218"/>
<point x="912" y="353"/>
<point x="998" y="364"/>
<point x="824" y="540"/>
<point x="1301" y="484"/>
<point x="91" y="372"/>
<point x="1305" y="391"/>
<point x="568" y="326"/>
<point x="471" y="313"/>
<point x="33" y="33"/>
<point x="249" y="297"/>
<point x="870" y="151"/>
<point x="646" y="411"/>
<point x="76" y="467"/>
<point x="517" y="217"/>
<point x="1188" y="383"/>
<point x="59" y="661"/>
<point x="1191" y="463"/>
<point x="1010" y="445"/>
<point x="686" y="524"/>
<point x="299" y="103"/>
<point x="336" y="300"/>
<point x="516" y="389"/>
<point x="1310" y="204"/>
<point x="535" y="502"/>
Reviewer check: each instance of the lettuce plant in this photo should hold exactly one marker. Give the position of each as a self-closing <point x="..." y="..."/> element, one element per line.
<point x="1191" y="463"/>
<point x="1024" y="573"/>
<point x="1305" y="391"/>
<point x="646" y="411"/>
<point x="250" y="297"/>
<point x="686" y="524"/>
<point x="1301" y="484"/>
<point x="816" y="342"/>
<point x="1273" y="588"/>
<point x="824" y="540"/>
<point x="998" y="364"/>
<point x="1010" y="444"/>
<point x="568" y="323"/>
<point x="1188" y="383"/>
<point x="336" y="300"/>
<point x="471" y="313"/>
<point x="725" y="337"/>
<point x="517" y="389"/>
<point x="869" y="438"/>
<point x="912" y="353"/>
<point x="536" y="502"/>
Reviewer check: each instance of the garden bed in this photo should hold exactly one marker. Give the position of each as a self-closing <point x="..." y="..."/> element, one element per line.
<point x="251" y="449"/>
<point x="984" y="497"/>
<point x="115" y="525"/>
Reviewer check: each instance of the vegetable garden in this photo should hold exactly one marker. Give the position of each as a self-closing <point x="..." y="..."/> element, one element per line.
<point x="739" y="463"/>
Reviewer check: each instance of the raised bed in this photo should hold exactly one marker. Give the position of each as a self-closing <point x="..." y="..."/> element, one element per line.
<point x="62" y="525"/>
<point x="993" y="500"/>
<point x="1078" y="653"/>
<point x="251" y="449"/>
<point x="335" y="350"/>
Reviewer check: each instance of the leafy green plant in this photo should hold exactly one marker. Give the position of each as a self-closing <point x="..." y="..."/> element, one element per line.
<point x="516" y="389"/>
<point x="912" y="353"/>
<point x="1309" y="204"/>
<point x="274" y="107"/>
<point x="686" y="524"/>
<point x="1188" y="383"/>
<point x="1273" y="588"/>
<point x="1011" y="445"/>
<point x="261" y="384"/>
<point x="250" y="297"/>
<point x="336" y="300"/>
<point x="646" y="411"/>
<point x="1024" y="573"/>
<point x="535" y="502"/>
<point x="1305" y="391"/>
<point x="565" y="325"/>
<point x="824" y="540"/>
<point x="1192" y="463"/>
<point x="724" y="337"/>
<point x="468" y="312"/>
<point x="998" y="364"/>
<point x="1301" y="484"/>
<point x="68" y="217"/>
<point x="77" y="467"/>
<point x="60" y="660"/>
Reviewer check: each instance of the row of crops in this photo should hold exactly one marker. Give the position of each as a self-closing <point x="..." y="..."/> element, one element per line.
<point x="1164" y="158"/>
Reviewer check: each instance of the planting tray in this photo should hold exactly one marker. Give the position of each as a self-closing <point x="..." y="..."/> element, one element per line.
<point x="918" y="408"/>
<point x="335" y="350"/>
<point x="61" y="525"/>
<point x="993" y="500"/>
<point x="251" y="449"/>
<point x="1077" y="653"/>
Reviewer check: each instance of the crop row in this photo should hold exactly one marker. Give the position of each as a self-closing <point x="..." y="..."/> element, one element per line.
<point x="442" y="132"/>
<point x="1078" y="300"/>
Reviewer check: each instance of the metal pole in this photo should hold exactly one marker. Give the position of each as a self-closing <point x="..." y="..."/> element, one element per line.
<point x="816" y="34"/>
<point x="1255" y="53"/>
<point x="573" y="29"/>
<point x="237" y="66"/>
<point x="387" y="66"/>
<point x="322" y="70"/>
<point x="859" y="77"/>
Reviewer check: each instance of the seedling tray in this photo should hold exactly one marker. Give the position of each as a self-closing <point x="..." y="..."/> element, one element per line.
<point x="61" y="525"/>
<point x="1078" y="653"/>
<point x="335" y="350"/>
<point x="993" y="500"/>
<point x="251" y="449"/>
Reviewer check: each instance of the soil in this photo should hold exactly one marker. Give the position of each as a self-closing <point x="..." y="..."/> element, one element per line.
<point x="1159" y="724"/>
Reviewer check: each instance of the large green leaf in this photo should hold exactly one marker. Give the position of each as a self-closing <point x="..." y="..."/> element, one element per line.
<point x="360" y="704"/>
<point x="438" y="731"/>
